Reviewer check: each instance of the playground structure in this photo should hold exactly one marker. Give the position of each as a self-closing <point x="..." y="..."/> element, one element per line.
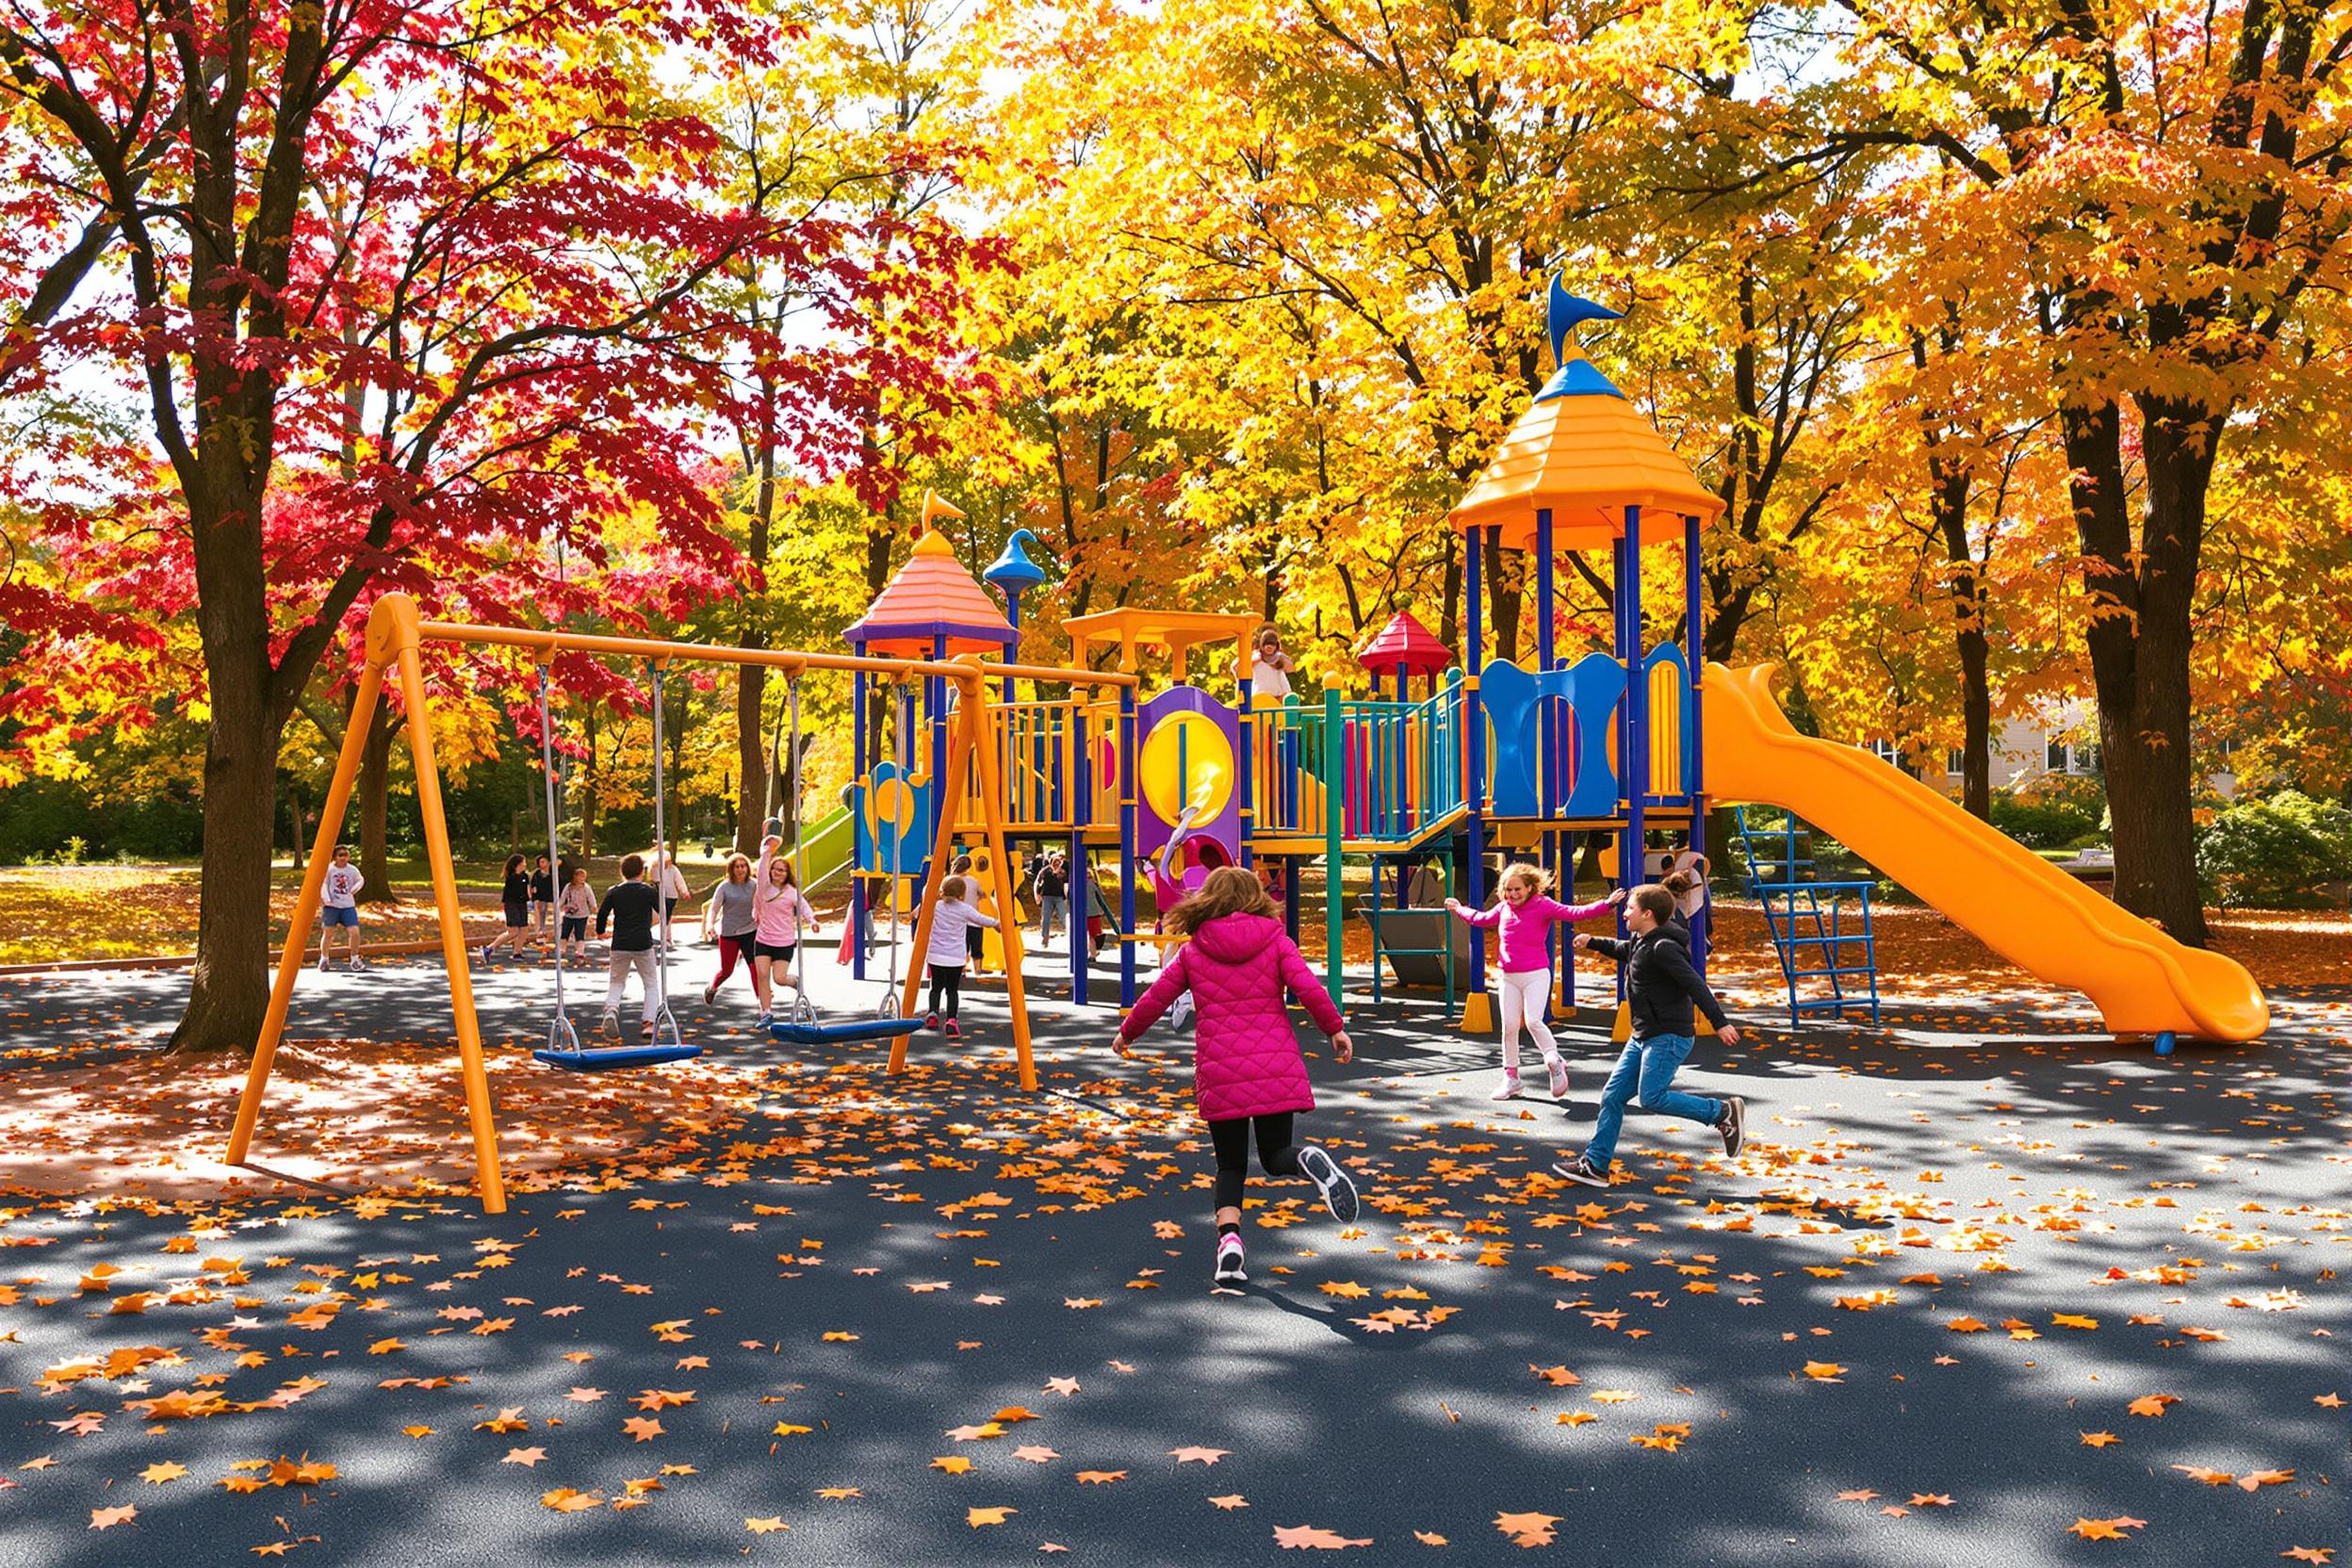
<point x="1506" y="756"/>
<point x="1496" y="757"/>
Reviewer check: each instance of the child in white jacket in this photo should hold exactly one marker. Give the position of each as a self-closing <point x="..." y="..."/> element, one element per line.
<point x="947" y="952"/>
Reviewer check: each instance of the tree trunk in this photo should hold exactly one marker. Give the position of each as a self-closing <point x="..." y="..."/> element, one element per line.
<point x="375" y="789"/>
<point x="2151" y="772"/>
<point x="1450" y="614"/>
<point x="1502" y="601"/>
<point x="231" y="988"/>
<point x="1948" y="490"/>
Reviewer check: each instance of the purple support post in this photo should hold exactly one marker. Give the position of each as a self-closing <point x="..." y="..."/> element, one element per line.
<point x="1473" y="748"/>
<point x="1693" y="618"/>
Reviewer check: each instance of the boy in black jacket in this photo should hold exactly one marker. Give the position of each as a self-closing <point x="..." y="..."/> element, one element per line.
<point x="1663" y="990"/>
<point x="630" y="908"/>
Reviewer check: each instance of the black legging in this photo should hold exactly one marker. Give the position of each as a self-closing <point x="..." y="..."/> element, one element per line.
<point x="947" y="980"/>
<point x="1277" y="1156"/>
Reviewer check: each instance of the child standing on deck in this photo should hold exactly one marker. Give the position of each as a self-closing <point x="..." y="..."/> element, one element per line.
<point x="1524" y="914"/>
<point x="1663" y="990"/>
<point x="951" y="917"/>
<point x="1248" y="1073"/>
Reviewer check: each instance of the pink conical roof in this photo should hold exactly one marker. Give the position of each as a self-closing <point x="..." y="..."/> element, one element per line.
<point x="1405" y="640"/>
<point x="932" y="597"/>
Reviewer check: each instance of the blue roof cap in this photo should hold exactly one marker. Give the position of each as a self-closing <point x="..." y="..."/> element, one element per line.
<point x="1578" y="379"/>
<point x="1013" y="568"/>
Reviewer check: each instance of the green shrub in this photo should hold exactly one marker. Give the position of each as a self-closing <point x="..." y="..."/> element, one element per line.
<point x="2045" y="823"/>
<point x="2271" y="853"/>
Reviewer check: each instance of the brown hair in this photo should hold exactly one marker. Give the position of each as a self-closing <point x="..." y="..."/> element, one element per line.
<point x="1680" y="883"/>
<point x="1528" y="872"/>
<point x="739" y="861"/>
<point x="1228" y="891"/>
<point x="953" y="890"/>
<point x="633" y="868"/>
<point x="1657" y="900"/>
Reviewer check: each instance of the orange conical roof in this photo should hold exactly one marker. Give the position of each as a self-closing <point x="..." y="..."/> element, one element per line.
<point x="932" y="597"/>
<point x="1583" y="451"/>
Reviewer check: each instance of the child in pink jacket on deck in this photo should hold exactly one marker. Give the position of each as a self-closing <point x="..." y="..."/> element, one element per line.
<point x="1524" y="914"/>
<point x="1248" y="1073"/>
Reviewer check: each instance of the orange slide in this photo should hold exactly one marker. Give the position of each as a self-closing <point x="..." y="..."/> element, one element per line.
<point x="2020" y="906"/>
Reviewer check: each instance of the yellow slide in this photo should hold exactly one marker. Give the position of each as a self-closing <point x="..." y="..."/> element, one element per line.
<point x="2020" y="906"/>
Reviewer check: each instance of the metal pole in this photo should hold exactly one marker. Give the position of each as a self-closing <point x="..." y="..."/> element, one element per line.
<point x="1474" y="1014"/>
<point x="663" y="866"/>
<point x="559" y="1034"/>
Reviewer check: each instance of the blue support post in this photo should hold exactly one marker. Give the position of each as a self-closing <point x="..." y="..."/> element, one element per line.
<point x="1127" y="749"/>
<point x="860" y="750"/>
<point x="1245" y="730"/>
<point x="935" y="707"/>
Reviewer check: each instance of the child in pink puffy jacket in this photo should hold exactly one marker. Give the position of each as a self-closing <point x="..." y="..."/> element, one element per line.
<point x="1247" y="1072"/>
<point x="1525" y="915"/>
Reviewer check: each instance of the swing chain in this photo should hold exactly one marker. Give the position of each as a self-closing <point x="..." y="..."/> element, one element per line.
<point x="560" y="1033"/>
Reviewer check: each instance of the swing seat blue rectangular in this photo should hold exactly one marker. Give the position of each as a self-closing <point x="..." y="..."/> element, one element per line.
<point x="613" y="1057"/>
<point x="848" y="1029"/>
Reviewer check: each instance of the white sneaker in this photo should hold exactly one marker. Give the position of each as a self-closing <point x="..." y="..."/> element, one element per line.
<point x="610" y="1027"/>
<point x="358" y="964"/>
<point x="323" y="963"/>
<point x="1180" y="1011"/>
<point x="1560" y="1077"/>
<point x="1229" y="1268"/>
<point x="1509" y="1088"/>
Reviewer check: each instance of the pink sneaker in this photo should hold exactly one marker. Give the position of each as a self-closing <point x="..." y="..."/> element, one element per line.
<point x="1509" y="1088"/>
<point x="1560" y="1078"/>
<point x="955" y="1030"/>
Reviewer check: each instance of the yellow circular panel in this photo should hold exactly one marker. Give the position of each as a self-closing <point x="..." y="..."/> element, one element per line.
<point x="890" y="802"/>
<point x="1207" y="767"/>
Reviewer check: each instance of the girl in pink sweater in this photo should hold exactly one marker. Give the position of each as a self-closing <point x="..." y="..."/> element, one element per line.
<point x="1248" y="1073"/>
<point x="1524" y="914"/>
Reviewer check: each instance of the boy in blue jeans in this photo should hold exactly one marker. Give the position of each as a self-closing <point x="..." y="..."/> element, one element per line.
<point x="1663" y="990"/>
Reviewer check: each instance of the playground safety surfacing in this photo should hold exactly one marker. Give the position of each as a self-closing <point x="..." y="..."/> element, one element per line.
<point x="1980" y="1289"/>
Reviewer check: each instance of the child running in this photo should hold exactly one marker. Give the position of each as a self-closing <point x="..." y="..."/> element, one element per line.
<point x="1524" y="913"/>
<point x="780" y="910"/>
<point x="338" y="906"/>
<point x="1247" y="1074"/>
<point x="1663" y="990"/>
<point x="629" y="907"/>
<point x="731" y="912"/>
<point x="951" y="917"/>
<point x="575" y="906"/>
<point x="515" y="900"/>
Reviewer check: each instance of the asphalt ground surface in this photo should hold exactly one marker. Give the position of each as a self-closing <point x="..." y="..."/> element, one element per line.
<point x="1983" y="1288"/>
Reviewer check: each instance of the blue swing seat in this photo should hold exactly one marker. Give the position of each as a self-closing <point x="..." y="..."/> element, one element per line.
<point x="613" y="1057"/>
<point x="848" y="1029"/>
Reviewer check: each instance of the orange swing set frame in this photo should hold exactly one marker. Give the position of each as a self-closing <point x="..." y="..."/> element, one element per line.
<point x="396" y="634"/>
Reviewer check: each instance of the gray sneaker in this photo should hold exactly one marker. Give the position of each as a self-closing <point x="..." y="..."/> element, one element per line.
<point x="1331" y="1179"/>
<point x="1735" y="1124"/>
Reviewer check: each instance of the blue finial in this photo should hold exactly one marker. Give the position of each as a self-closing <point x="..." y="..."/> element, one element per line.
<point x="1013" y="568"/>
<point x="1566" y="310"/>
<point x="1575" y="377"/>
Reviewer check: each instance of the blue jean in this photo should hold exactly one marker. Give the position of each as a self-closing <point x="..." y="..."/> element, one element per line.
<point x="1650" y="1065"/>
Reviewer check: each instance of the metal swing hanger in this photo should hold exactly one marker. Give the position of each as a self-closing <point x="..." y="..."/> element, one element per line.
<point x="561" y="1036"/>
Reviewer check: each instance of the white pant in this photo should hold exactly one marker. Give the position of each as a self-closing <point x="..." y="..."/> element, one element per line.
<point x="617" y="967"/>
<point x="1527" y="997"/>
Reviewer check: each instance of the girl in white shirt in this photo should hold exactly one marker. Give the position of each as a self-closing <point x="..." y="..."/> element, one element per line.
<point x="1269" y="674"/>
<point x="950" y="919"/>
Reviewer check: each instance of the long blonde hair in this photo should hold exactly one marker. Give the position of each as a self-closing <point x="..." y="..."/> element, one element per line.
<point x="1539" y="881"/>
<point x="1228" y="891"/>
